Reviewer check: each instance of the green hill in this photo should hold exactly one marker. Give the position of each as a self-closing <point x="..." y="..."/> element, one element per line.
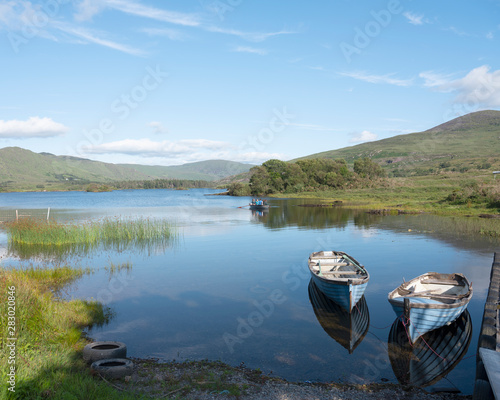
<point x="470" y="141"/>
<point x="22" y="169"/>
<point x="210" y="170"/>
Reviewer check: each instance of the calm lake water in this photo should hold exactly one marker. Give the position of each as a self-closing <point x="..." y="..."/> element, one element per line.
<point x="235" y="285"/>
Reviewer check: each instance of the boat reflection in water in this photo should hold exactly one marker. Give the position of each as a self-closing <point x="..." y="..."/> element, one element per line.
<point x="433" y="355"/>
<point x="348" y="329"/>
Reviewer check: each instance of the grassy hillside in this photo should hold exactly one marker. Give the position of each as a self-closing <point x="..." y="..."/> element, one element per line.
<point x="22" y="169"/>
<point x="468" y="142"/>
<point x="210" y="170"/>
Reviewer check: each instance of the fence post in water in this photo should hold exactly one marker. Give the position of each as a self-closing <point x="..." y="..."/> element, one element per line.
<point x="48" y="213"/>
<point x="17" y="216"/>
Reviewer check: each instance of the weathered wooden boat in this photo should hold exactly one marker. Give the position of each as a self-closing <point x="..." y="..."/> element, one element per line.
<point x="427" y="361"/>
<point x="339" y="276"/>
<point x="430" y="301"/>
<point x="347" y="329"/>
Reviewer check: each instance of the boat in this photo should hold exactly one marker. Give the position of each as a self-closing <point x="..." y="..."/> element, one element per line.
<point x="429" y="360"/>
<point x="430" y="301"/>
<point x="259" y="207"/>
<point x="339" y="276"/>
<point x="347" y="329"/>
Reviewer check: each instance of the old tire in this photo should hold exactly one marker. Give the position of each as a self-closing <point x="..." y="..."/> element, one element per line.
<point x="113" y="368"/>
<point x="104" y="350"/>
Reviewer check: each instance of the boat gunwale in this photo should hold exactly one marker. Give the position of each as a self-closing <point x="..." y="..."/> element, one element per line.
<point x="460" y="301"/>
<point x="340" y="281"/>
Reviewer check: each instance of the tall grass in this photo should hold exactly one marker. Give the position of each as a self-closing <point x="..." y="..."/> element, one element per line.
<point x="49" y="337"/>
<point x="56" y="238"/>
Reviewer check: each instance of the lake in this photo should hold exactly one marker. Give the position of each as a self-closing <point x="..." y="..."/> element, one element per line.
<point x="235" y="285"/>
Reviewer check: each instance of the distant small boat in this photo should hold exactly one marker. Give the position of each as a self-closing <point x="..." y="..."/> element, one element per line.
<point x="348" y="329"/>
<point x="430" y="301"/>
<point x="259" y="207"/>
<point x="425" y="362"/>
<point x="339" y="276"/>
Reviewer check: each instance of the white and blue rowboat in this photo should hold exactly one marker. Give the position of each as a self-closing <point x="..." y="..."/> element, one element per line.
<point x="430" y="301"/>
<point x="339" y="276"/>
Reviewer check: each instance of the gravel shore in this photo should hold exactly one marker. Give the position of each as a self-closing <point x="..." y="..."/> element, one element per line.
<point x="207" y="380"/>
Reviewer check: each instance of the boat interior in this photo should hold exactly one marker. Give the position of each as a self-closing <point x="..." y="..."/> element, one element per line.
<point x="334" y="266"/>
<point x="437" y="287"/>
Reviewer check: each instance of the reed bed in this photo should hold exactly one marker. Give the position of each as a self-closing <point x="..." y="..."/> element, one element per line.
<point x="109" y="232"/>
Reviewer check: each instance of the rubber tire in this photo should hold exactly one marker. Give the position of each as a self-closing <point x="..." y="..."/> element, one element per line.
<point x="113" y="368"/>
<point x="482" y="390"/>
<point x="104" y="350"/>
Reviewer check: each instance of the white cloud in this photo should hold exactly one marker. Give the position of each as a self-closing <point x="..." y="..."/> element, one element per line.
<point x="414" y="19"/>
<point x="147" y="147"/>
<point x="479" y="87"/>
<point x="386" y="79"/>
<point x="33" y="127"/>
<point x="457" y="31"/>
<point x="180" y="152"/>
<point x="365" y="136"/>
<point x="86" y="9"/>
<point x="490" y="35"/>
<point x="252" y="50"/>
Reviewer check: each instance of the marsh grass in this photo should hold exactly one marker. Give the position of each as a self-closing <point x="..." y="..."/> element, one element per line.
<point x="49" y="336"/>
<point x="31" y="237"/>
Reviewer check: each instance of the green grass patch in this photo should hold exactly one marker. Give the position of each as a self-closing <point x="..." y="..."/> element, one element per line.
<point x="30" y="237"/>
<point x="49" y="340"/>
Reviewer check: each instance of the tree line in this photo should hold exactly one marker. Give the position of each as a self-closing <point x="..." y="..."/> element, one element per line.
<point x="276" y="176"/>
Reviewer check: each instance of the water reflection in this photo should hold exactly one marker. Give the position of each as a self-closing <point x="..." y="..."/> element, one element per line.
<point x="432" y="356"/>
<point x="348" y="329"/>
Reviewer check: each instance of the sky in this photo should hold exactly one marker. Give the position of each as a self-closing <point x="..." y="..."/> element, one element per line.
<point x="177" y="81"/>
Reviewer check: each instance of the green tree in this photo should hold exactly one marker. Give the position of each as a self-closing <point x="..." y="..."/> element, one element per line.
<point x="366" y="168"/>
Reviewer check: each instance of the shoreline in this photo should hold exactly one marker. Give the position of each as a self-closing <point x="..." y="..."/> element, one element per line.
<point x="204" y="380"/>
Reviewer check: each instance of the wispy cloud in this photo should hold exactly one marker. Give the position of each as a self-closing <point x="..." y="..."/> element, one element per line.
<point x="88" y="8"/>
<point x="92" y="37"/>
<point x="253" y="50"/>
<point x="435" y="79"/>
<point x="457" y="31"/>
<point x="312" y="127"/>
<point x="415" y="19"/>
<point x="490" y="35"/>
<point x="365" y="136"/>
<point x="385" y="79"/>
<point x="250" y="36"/>
<point x="32" y="127"/>
<point x="172" y="34"/>
<point x="157" y="127"/>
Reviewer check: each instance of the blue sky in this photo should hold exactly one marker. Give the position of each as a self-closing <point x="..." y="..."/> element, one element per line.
<point x="170" y="82"/>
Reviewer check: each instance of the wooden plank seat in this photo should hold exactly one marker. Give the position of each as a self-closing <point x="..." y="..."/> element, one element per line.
<point x="441" y="282"/>
<point x="339" y="272"/>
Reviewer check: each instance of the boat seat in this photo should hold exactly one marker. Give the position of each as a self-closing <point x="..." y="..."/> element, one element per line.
<point x="339" y="273"/>
<point x="441" y="282"/>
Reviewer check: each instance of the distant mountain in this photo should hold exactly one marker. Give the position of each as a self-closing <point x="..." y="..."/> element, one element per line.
<point x="465" y="142"/>
<point x="210" y="170"/>
<point x="24" y="169"/>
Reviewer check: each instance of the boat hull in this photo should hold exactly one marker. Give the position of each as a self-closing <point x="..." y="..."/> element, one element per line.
<point x="256" y="207"/>
<point x="430" y="301"/>
<point x="423" y="319"/>
<point x="343" y="293"/>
